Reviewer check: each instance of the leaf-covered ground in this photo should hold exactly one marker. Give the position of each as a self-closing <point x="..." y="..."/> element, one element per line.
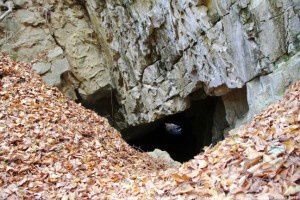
<point x="53" y="148"/>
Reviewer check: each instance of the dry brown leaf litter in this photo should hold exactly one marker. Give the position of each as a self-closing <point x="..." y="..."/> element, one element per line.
<point x="52" y="148"/>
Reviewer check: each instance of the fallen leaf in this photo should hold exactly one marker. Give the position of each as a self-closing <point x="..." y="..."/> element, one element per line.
<point x="291" y="190"/>
<point x="180" y="178"/>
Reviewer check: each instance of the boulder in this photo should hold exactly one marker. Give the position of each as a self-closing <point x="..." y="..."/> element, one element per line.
<point x="164" y="157"/>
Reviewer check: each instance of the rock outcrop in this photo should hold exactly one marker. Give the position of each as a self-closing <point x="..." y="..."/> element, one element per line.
<point x="54" y="148"/>
<point x="152" y="55"/>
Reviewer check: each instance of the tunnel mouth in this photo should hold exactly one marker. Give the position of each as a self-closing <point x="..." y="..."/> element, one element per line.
<point x="106" y="105"/>
<point x="201" y="125"/>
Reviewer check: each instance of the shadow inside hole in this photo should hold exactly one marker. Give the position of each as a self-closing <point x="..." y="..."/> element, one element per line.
<point x="196" y="124"/>
<point x="199" y="125"/>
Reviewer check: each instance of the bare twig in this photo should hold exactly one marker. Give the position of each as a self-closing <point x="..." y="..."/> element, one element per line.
<point x="8" y="5"/>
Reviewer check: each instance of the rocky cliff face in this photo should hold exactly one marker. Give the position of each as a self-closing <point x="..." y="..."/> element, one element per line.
<point x="156" y="56"/>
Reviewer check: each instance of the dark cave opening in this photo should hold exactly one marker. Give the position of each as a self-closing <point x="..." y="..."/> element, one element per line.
<point x="201" y="125"/>
<point x="105" y="106"/>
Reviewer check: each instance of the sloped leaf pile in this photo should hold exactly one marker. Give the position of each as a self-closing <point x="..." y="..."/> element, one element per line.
<point x="53" y="148"/>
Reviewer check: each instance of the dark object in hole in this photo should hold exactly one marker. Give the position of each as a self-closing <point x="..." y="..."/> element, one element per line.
<point x="191" y="131"/>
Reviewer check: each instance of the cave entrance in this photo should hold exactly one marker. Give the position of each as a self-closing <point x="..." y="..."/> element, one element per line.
<point x="200" y="125"/>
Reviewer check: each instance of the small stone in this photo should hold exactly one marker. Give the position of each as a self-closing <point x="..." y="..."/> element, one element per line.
<point x="60" y="66"/>
<point x="20" y="2"/>
<point x="29" y="18"/>
<point x="55" y="53"/>
<point x="52" y="79"/>
<point x="164" y="156"/>
<point x="41" y="68"/>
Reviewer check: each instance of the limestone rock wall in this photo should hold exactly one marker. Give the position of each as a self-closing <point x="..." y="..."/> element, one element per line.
<point x="154" y="53"/>
<point x="59" y="35"/>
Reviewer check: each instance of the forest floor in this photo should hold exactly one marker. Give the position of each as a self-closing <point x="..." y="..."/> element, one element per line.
<point x="53" y="148"/>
